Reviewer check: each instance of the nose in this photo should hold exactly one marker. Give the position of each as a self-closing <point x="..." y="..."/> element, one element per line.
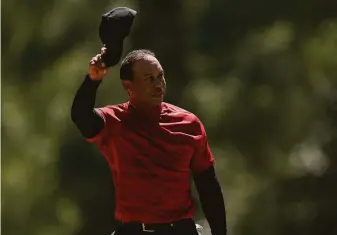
<point x="158" y="88"/>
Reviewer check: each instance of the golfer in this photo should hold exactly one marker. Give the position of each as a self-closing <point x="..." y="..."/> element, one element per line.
<point x="153" y="149"/>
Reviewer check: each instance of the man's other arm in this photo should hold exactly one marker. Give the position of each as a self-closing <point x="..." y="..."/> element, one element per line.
<point x="207" y="184"/>
<point x="212" y="200"/>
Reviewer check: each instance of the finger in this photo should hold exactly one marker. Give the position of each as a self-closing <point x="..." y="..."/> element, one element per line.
<point x="94" y="59"/>
<point x="93" y="62"/>
<point x="103" y="50"/>
<point x="101" y="62"/>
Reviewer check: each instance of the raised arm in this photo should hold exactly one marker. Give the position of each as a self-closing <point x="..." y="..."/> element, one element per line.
<point x="83" y="114"/>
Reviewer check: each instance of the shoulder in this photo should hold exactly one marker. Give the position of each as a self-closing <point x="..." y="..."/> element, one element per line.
<point x="113" y="110"/>
<point x="122" y="107"/>
<point x="173" y="110"/>
<point x="186" y="116"/>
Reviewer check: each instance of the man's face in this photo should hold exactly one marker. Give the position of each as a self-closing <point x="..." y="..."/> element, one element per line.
<point x="148" y="84"/>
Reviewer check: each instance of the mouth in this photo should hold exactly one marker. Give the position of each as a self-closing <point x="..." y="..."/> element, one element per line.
<point x="158" y="94"/>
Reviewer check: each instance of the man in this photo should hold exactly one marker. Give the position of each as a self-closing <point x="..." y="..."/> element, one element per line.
<point x="152" y="148"/>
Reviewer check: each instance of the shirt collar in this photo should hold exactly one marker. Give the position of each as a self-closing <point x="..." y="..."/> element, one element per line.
<point x="150" y="114"/>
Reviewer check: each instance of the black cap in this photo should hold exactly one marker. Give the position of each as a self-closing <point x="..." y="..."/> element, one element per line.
<point x="115" y="26"/>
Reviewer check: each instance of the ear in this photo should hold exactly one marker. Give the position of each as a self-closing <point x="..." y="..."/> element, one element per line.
<point x="127" y="85"/>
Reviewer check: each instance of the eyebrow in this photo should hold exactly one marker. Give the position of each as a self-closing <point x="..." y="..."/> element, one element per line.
<point x="147" y="74"/>
<point x="150" y="74"/>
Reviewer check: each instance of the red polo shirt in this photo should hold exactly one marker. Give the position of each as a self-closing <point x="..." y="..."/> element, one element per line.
<point x="151" y="156"/>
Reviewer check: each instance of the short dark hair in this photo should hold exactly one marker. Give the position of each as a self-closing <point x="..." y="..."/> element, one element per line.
<point x="126" y="72"/>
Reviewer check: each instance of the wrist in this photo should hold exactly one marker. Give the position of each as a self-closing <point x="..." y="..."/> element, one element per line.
<point x="88" y="79"/>
<point x="94" y="78"/>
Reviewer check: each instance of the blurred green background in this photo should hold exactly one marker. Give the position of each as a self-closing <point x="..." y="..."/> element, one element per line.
<point x="261" y="75"/>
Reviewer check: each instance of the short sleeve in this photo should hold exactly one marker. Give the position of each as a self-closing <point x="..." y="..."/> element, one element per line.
<point x="203" y="157"/>
<point x="110" y="121"/>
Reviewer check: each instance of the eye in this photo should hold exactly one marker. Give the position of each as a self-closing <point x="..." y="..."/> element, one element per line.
<point x="151" y="78"/>
<point x="161" y="76"/>
<point x="148" y="78"/>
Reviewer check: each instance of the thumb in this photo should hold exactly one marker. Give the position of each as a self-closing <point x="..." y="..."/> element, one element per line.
<point x="103" y="50"/>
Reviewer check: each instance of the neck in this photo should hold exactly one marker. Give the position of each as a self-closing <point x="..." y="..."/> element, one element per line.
<point x="147" y="112"/>
<point x="142" y="106"/>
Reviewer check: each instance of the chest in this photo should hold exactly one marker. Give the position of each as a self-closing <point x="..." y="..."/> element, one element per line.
<point x="166" y="145"/>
